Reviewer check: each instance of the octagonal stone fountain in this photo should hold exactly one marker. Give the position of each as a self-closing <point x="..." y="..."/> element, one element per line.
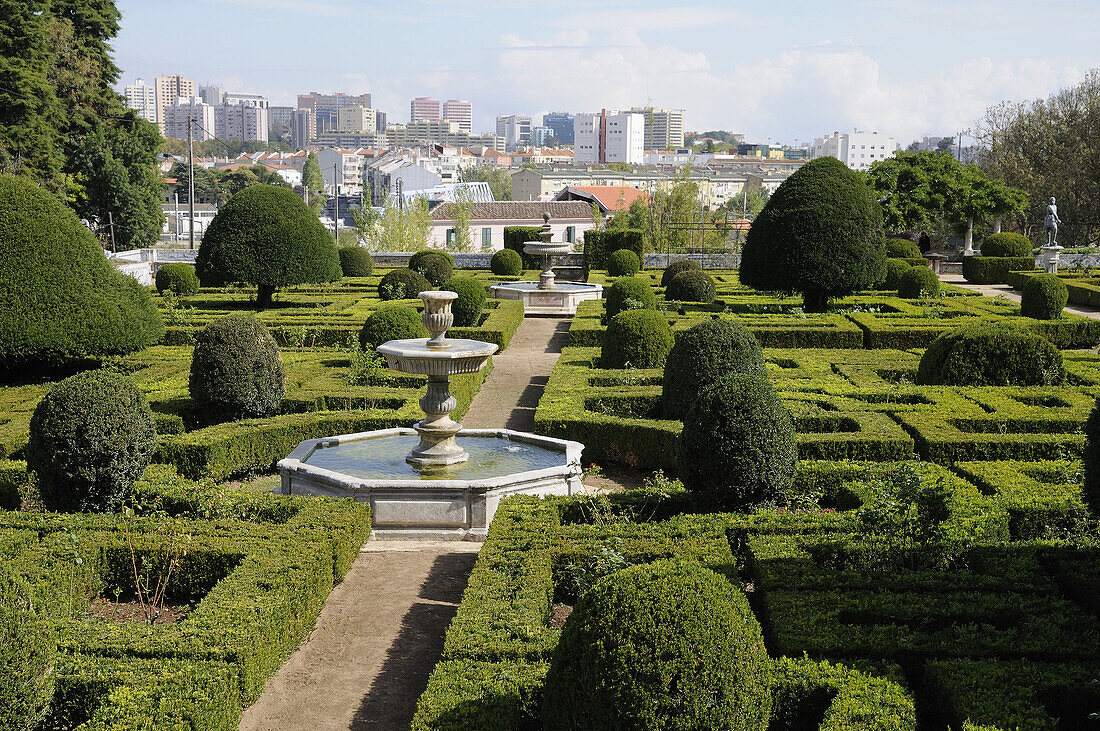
<point x="435" y="480"/>
<point x="547" y="296"/>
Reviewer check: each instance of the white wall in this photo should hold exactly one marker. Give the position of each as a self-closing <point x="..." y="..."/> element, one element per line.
<point x="557" y="228"/>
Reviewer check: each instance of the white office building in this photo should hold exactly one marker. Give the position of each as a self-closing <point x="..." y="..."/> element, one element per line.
<point x="609" y="137"/>
<point x="515" y="129"/>
<point x="461" y="111"/>
<point x="142" y="98"/>
<point x="176" y="116"/>
<point x="664" y="128"/>
<point x="857" y="150"/>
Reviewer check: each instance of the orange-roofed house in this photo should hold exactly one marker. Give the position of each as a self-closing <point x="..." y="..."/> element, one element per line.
<point x="609" y="198"/>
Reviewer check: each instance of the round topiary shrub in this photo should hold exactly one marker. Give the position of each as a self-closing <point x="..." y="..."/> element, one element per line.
<point x="638" y="339"/>
<point x="676" y="267"/>
<point x="392" y="322"/>
<point x="623" y="263"/>
<point x="436" y="266"/>
<point x="1091" y="458"/>
<point x="991" y="354"/>
<point x="918" y="282"/>
<point x="629" y="293"/>
<point x="61" y="301"/>
<point x="902" y="249"/>
<point x="1006" y="244"/>
<point x="177" y="278"/>
<point x="665" y="645"/>
<point x="895" y="268"/>
<point x="506" y="263"/>
<point x="691" y="286"/>
<point x="738" y="444"/>
<point x="236" y="371"/>
<point x="91" y="437"/>
<point x="402" y="284"/>
<point x="417" y="257"/>
<point x="355" y="261"/>
<point x="471" y="300"/>
<point x="267" y="236"/>
<point x="702" y="355"/>
<point x="27" y="655"/>
<point x="1043" y="297"/>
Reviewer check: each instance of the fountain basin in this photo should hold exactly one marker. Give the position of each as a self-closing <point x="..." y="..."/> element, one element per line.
<point x="455" y="503"/>
<point x="561" y="300"/>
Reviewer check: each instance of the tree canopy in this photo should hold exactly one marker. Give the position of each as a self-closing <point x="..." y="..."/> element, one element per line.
<point x="500" y="182"/>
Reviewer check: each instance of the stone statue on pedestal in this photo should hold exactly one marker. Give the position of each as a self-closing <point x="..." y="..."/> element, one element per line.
<point x="1050" y="223"/>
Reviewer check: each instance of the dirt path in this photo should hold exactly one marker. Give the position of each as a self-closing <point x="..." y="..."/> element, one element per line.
<point x="1004" y="290"/>
<point x="375" y="643"/>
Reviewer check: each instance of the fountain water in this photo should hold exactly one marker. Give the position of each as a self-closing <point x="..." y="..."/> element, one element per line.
<point x="546" y="296"/>
<point x="449" y="484"/>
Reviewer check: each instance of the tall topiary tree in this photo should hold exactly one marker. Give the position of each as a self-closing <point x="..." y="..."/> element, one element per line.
<point x="236" y="370"/>
<point x="266" y="236"/>
<point x="819" y="234"/>
<point x="61" y="301"/>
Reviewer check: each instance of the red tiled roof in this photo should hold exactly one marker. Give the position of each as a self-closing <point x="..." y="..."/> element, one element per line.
<point x="611" y="197"/>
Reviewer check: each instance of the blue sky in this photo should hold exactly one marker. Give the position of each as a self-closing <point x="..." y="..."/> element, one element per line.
<point x="785" y="70"/>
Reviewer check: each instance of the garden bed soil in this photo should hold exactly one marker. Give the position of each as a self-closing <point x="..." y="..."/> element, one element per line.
<point x="121" y="612"/>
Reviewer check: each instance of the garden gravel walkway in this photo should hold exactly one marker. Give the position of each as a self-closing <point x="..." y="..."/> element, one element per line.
<point x="1004" y="290"/>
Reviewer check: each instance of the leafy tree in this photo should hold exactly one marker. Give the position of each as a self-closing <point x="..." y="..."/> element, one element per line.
<point x="400" y="228"/>
<point x="946" y="144"/>
<point x="460" y="210"/>
<point x="313" y="183"/>
<point x="500" y="182"/>
<point x="365" y="219"/>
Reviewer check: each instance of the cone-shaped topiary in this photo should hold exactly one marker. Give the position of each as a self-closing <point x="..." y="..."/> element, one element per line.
<point x="506" y="263"/>
<point x="623" y="263"/>
<point x="738" y="444"/>
<point x="667" y="646"/>
<point x="1091" y="459"/>
<point x="820" y="234"/>
<point x="1043" y="297"/>
<point x="471" y="300"/>
<point x="991" y="354"/>
<point x="402" y="284"/>
<point x="636" y="338"/>
<point x="392" y="322"/>
<point x="902" y="249"/>
<point x="436" y="266"/>
<point x="236" y="370"/>
<point x="1006" y="244"/>
<point x="691" y="286"/>
<point x="61" y="301"/>
<point x="702" y="355"/>
<point x="894" y="269"/>
<point x="91" y="437"/>
<point x="265" y="235"/>
<point x="918" y="282"/>
<point x="178" y="278"/>
<point x="676" y="267"/>
<point x="355" y="261"/>
<point x="629" y="293"/>
<point x="27" y="656"/>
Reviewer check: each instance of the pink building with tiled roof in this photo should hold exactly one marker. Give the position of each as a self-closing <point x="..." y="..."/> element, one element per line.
<point x="568" y="221"/>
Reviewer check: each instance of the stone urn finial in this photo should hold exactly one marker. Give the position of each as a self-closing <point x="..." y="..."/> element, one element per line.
<point x="545" y="234"/>
<point x="437" y="316"/>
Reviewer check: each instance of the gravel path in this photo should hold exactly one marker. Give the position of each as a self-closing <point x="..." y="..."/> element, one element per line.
<point x="1004" y="290"/>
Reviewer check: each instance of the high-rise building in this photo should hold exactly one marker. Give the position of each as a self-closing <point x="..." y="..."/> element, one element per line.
<point x="461" y="111"/>
<point x="515" y="129"/>
<point x="303" y="128"/>
<point x="176" y="116"/>
<point x="857" y="150"/>
<point x="609" y="137"/>
<point x="424" y="108"/>
<point x="539" y="135"/>
<point x="380" y="119"/>
<point x="142" y="98"/>
<point x="562" y="124"/>
<point x="168" y="90"/>
<point x="279" y="116"/>
<point x="211" y="94"/>
<point x="326" y="107"/>
<point x="664" y="128"/>
<point x="240" y="121"/>
<point x="357" y="118"/>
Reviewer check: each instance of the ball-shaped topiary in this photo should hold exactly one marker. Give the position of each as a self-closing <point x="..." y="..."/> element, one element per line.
<point x="738" y="446"/>
<point x="1006" y="244"/>
<point x="629" y="293"/>
<point x="392" y="322"/>
<point x="623" y="263"/>
<point x="177" y="278"/>
<point x="265" y="235"/>
<point x="676" y="267"/>
<point x="991" y="354"/>
<point x="402" y="284"/>
<point x="668" y="645"/>
<point x="471" y="300"/>
<point x="918" y="282"/>
<point x="820" y="234"/>
<point x="702" y="355"/>
<point x="91" y="437"/>
<point x="355" y="261"/>
<point x="418" y="256"/>
<point x="691" y="286"/>
<point x="436" y="266"/>
<point x="638" y="339"/>
<point x="902" y="249"/>
<point x="895" y="268"/>
<point x="1043" y="297"/>
<point x="61" y="301"/>
<point x="27" y="656"/>
<point x="1091" y="458"/>
<point x="506" y="263"/>
<point x="236" y="371"/>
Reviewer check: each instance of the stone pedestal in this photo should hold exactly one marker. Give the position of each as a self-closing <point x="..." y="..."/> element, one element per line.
<point x="1050" y="258"/>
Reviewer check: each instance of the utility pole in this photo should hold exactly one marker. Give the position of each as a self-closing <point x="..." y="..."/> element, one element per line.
<point x="176" y="227"/>
<point x="111" y="223"/>
<point x="191" y="178"/>
<point x="336" y="203"/>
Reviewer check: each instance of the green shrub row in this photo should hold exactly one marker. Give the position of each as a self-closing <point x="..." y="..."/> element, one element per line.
<point x="1040" y="497"/>
<point x="13" y="476"/>
<point x="994" y="269"/>
<point x="599" y="245"/>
